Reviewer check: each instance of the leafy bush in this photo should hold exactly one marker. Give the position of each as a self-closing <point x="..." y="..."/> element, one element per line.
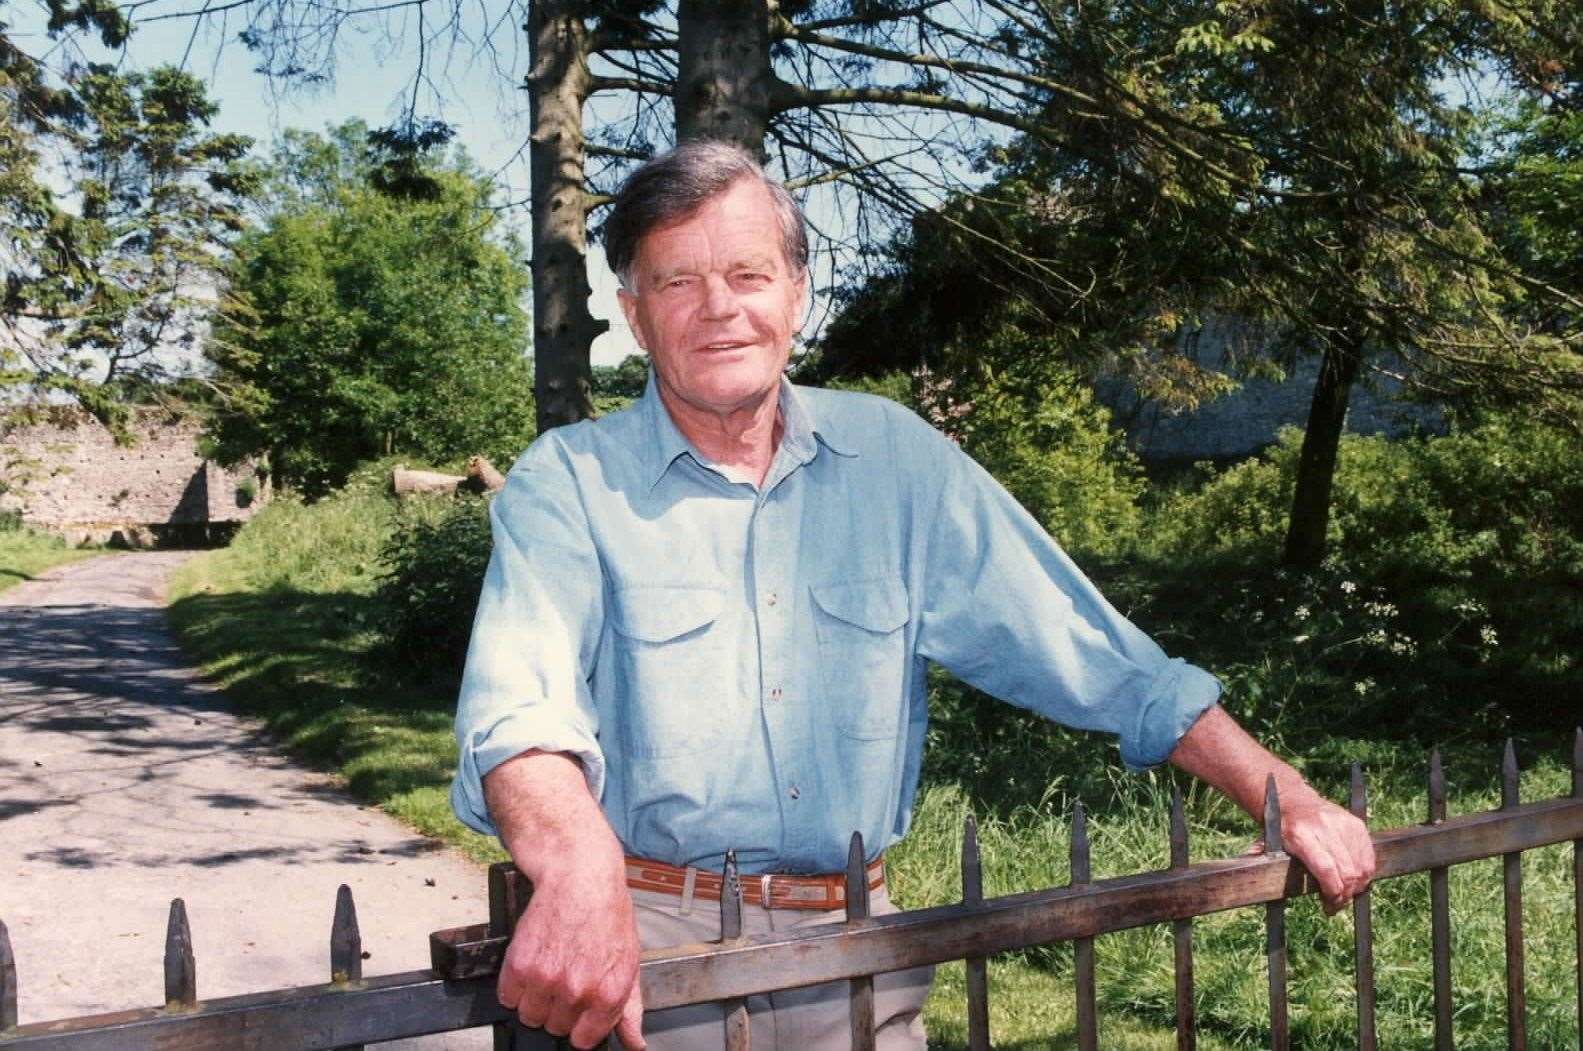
<point x="1505" y="494"/>
<point x="1037" y="428"/>
<point x="435" y="561"/>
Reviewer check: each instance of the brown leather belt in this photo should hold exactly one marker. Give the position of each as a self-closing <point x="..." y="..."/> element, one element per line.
<point x="783" y="892"/>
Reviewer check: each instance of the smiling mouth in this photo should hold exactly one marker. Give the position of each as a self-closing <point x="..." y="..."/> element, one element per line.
<point x="724" y="345"/>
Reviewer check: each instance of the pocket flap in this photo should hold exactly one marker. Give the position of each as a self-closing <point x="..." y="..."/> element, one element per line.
<point x="875" y="605"/>
<point x="660" y="613"/>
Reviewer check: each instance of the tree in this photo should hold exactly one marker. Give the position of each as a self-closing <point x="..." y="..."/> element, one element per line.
<point x="362" y="323"/>
<point x="1206" y="107"/>
<point x="1345" y="219"/>
<point x="883" y="106"/>
<point x="109" y="281"/>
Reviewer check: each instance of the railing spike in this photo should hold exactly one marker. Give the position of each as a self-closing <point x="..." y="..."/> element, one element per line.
<point x="181" y="970"/>
<point x="1178" y="826"/>
<point x="1080" y="856"/>
<point x="1272" y="817"/>
<point x="1577" y="763"/>
<point x="1437" y="789"/>
<point x="977" y="968"/>
<point x="972" y="865"/>
<point x="8" y="1015"/>
<point x="856" y="879"/>
<point x="346" y="940"/>
<point x="1509" y="791"/>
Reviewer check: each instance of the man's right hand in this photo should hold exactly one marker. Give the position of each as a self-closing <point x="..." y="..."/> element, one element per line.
<point x="572" y="965"/>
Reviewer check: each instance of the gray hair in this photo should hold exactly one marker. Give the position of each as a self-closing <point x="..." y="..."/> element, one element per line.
<point x="673" y="185"/>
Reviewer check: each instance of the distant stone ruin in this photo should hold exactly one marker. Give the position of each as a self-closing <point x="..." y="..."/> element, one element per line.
<point x="1241" y="424"/>
<point x="63" y="471"/>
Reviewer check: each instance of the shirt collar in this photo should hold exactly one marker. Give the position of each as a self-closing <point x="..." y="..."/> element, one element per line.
<point x="801" y="432"/>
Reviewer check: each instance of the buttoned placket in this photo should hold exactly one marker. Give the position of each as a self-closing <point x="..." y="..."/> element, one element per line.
<point x="773" y="609"/>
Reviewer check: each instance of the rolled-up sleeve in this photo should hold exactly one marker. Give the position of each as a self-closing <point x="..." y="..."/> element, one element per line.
<point x="535" y="635"/>
<point x="1007" y="611"/>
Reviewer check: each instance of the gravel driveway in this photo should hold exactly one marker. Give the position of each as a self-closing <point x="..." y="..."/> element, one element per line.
<point x="125" y="782"/>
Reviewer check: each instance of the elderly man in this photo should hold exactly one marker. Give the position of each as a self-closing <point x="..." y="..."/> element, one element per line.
<point x="706" y="623"/>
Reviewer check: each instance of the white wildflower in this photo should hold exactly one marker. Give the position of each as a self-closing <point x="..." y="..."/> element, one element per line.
<point x="1348" y="587"/>
<point x="1301" y="613"/>
<point x="1488" y="636"/>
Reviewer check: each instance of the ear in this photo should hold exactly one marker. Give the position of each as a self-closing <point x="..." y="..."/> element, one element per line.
<point x="629" y="310"/>
<point x="802" y="304"/>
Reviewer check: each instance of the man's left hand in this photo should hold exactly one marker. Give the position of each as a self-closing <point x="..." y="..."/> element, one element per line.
<point x="1332" y="844"/>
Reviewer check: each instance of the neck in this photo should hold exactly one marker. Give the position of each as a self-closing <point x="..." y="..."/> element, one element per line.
<point x="743" y="440"/>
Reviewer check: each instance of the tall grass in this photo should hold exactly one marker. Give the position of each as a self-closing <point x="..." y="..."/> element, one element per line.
<point x="25" y="553"/>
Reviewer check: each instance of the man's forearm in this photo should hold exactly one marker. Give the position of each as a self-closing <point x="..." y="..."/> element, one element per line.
<point x="547" y="820"/>
<point x="1218" y="751"/>
<point x="572" y="963"/>
<point x="1332" y="844"/>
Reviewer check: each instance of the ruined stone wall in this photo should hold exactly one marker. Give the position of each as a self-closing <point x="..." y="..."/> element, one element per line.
<point x="64" y="472"/>
<point x="1242" y="423"/>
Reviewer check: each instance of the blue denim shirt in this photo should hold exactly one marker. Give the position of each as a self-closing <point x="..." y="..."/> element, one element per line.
<point x="743" y="668"/>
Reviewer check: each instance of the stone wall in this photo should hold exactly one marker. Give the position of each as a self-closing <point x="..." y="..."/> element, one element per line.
<point x="1242" y="423"/>
<point x="64" y="472"/>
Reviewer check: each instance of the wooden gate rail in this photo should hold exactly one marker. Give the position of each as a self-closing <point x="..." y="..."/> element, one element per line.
<point x="459" y="992"/>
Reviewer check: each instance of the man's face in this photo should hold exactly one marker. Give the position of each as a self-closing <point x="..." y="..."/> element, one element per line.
<point x="714" y="302"/>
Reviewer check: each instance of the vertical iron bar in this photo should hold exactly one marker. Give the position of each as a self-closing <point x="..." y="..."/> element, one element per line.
<point x="1182" y="935"/>
<point x="7" y="981"/>
<point x="860" y="991"/>
<point x="1440" y="913"/>
<point x="977" y="971"/>
<point x="739" y="1035"/>
<point x="1577" y="875"/>
<point x="1577" y="871"/>
<point x="1512" y="870"/>
<point x="1363" y="936"/>
<point x="508" y="897"/>
<point x="181" y="972"/>
<point x="1275" y="926"/>
<point x="346" y="946"/>
<point x="1083" y="948"/>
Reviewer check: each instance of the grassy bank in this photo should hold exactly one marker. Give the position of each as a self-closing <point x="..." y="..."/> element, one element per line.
<point x="25" y="553"/>
<point x="286" y="621"/>
<point x="1348" y="664"/>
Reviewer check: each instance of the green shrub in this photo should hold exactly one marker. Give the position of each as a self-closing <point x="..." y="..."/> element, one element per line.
<point x="1037" y="428"/>
<point x="1505" y="495"/>
<point x="435" y="560"/>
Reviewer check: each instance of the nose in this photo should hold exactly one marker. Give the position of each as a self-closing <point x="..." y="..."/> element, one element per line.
<point x="720" y="301"/>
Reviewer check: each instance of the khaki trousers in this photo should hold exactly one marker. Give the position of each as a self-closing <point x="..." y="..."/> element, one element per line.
<point x="816" y="1018"/>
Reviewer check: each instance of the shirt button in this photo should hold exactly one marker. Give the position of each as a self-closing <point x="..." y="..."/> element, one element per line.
<point x="795" y="792"/>
<point x="773" y="598"/>
<point x="775" y="693"/>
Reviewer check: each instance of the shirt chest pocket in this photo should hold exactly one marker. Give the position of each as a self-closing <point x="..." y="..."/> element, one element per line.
<point x="673" y="667"/>
<point x="862" y="655"/>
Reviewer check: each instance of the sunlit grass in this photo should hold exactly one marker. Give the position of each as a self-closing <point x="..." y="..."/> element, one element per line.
<point x="25" y="553"/>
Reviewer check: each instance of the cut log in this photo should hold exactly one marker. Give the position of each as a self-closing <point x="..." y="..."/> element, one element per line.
<point x="407" y="482"/>
<point x="482" y="476"/>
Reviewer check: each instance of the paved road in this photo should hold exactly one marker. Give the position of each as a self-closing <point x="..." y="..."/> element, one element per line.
<point x="125" y="782"/>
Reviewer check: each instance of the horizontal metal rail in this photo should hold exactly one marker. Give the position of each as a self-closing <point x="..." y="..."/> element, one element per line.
<point x="421" y="1002"/>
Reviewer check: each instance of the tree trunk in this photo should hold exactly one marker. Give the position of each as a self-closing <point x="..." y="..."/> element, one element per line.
<point x="563" y="329"/>
<point x="723" y="77"/>
<point x="1316" y="464"/>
